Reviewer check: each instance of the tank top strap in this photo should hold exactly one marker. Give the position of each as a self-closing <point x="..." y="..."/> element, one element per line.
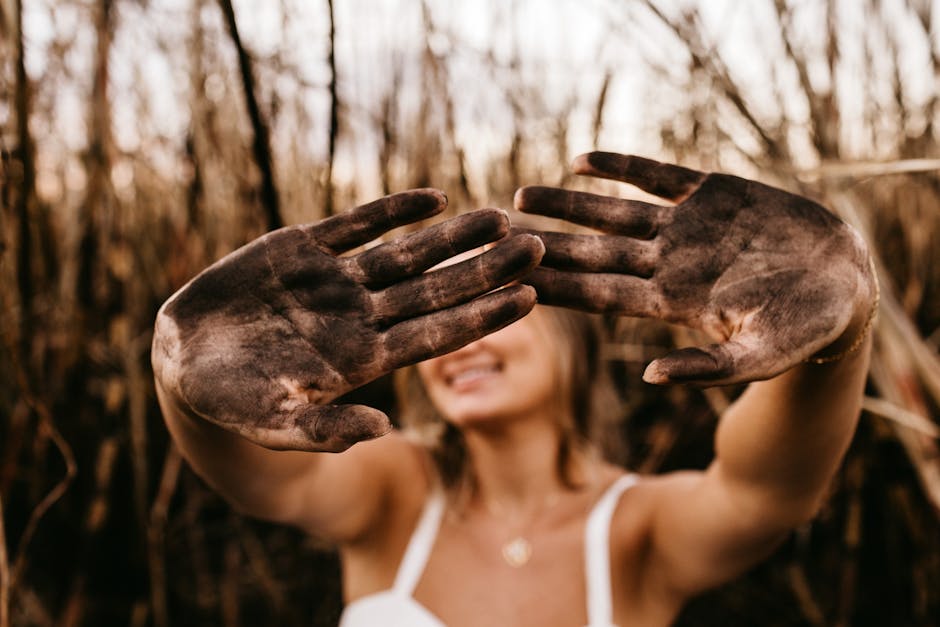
<point x="421" y="542"/>
<point x="597" y="552"/>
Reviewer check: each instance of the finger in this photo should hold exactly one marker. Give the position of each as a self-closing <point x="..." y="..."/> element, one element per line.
<point x="604" y="213"/>
<point x="746" y="357"/>
<point x="415" y="253"/>
<point x="362" y="224"/>
<point x="595" y="292"/>
<point x="660" y="179"/>
<point x="328" y="428"/>
<point x="445" y="331"/>
<point x="709" y="365"/>
<point x="596" y="253"/>
<point x="460" y="282"/>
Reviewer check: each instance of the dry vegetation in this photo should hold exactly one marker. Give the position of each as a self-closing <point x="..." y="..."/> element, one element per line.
<point x="101" y="523"/>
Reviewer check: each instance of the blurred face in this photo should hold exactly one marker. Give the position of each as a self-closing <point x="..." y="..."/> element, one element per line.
<point x="512" y="373"/>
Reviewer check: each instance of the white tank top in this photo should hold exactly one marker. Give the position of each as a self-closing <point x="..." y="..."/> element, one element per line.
<point x="397" y="607"/>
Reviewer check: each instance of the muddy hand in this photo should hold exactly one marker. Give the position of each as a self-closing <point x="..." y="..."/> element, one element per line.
<point x="773" y="277"/>
<point x="262" y="341"/>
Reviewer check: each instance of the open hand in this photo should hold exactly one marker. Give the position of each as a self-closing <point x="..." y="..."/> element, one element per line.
<point x="263" y="340"/>
<point x="773" y="277"/>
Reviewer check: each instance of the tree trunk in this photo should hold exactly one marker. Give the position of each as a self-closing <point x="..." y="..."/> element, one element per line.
<point x="328" y="208"/>
<point x="261" y="145"/>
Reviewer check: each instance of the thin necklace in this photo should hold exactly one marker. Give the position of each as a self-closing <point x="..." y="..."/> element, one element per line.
<point x="517" y="550"/>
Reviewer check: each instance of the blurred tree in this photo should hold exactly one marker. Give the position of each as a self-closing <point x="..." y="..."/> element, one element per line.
<point x="141" y="140"/>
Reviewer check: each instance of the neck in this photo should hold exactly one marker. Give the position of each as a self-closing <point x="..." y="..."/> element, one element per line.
<point x="515" y="469"/>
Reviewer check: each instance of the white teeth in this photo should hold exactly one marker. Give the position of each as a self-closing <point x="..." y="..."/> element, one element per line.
<point x="471" y="373"/>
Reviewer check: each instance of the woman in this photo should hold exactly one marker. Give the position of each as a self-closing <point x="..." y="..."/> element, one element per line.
<point x="512" y="520"/>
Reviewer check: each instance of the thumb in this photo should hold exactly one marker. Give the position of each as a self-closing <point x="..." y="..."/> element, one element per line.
<point x="729" y="362"/>
<point x="326" y="428"/>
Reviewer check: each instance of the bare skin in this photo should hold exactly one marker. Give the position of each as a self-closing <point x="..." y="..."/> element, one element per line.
<point x="721" y="260"/>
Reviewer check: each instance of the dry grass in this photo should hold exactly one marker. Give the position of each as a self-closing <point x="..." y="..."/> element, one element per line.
<point x="100" y="521"/>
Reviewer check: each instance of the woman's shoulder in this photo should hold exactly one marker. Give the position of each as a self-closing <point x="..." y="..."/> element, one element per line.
<point x="408" y="468"/>
<point x="403" y="465"/>
<point x="370" y="558"/>
<point x="632" y="511"/>
<point x="634" y="522"/>
<point x="352" y="497"/>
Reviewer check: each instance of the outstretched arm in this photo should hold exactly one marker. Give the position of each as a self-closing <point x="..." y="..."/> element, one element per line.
<point x="779" y="283"/>
<point x="249" y="355"/>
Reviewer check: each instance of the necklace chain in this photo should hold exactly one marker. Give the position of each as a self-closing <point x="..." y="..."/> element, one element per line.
<point x="517" y="551"/>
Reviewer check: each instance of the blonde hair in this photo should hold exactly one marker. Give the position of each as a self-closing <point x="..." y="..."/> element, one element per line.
<point x="586" y="394"/>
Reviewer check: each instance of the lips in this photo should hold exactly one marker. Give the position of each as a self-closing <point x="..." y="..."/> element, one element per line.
<point x="464" y="376"/>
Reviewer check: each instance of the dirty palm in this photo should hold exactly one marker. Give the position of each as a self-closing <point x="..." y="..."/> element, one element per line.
<point x="264" y="339"/>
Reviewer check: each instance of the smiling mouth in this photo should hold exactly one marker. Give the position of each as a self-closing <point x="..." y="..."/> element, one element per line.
<point x="471" y="375"/>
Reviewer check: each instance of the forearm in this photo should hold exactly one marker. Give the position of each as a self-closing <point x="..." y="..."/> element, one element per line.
<point x="783" y="439"/>
<point x="337" y="497"/>
<point x="244" y="473"/>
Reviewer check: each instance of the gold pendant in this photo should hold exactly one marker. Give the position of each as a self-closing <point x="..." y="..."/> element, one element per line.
<point x="517" y="552"/>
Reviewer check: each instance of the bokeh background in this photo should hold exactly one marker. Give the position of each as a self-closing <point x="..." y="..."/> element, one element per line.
<point x="142" y="139"/>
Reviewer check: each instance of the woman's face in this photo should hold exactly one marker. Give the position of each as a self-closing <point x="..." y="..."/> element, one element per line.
<point x="508" y="374"/>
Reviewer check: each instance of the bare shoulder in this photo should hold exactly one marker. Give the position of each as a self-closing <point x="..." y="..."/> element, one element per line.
<point x="631" y="522"/>
<point x="685" y="532"/>
<point x="371" y="547"/>
<point x="633" y="532"/>
<point x="638" y="519"/>
<point x="633" y="515"/>
<point x="358" y="494"/>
